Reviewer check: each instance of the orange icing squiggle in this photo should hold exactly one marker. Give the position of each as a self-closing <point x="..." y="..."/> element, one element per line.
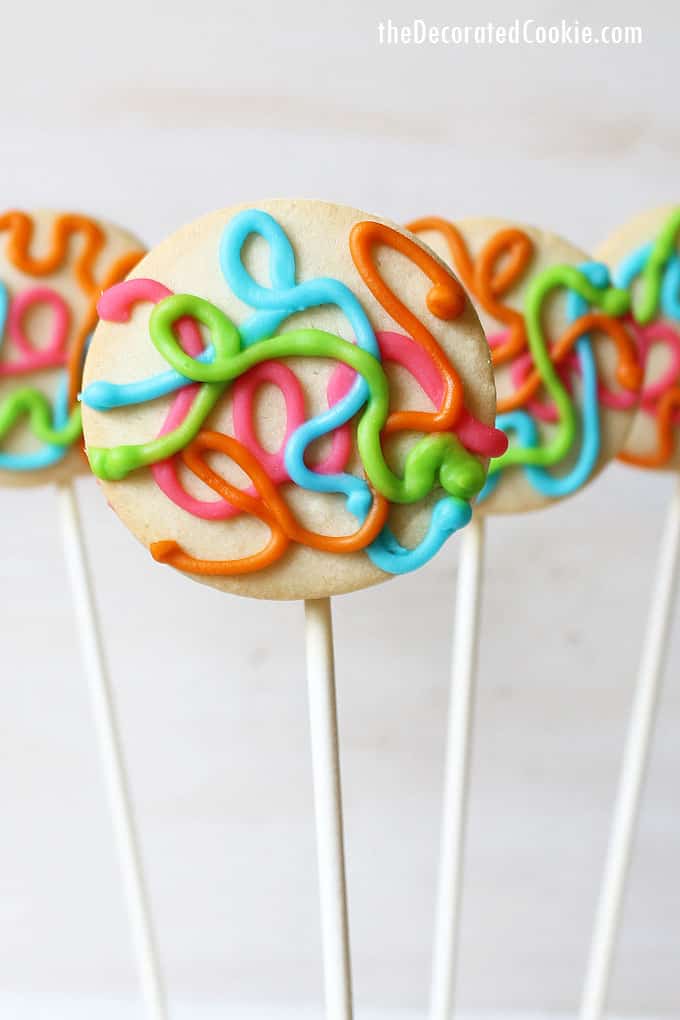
<point x="667" y="407"/>
<point x="65" y="227"/>
<point x="486" y="282"/>
<point x="445" y="300"/>
<point x="20" y="227"/>
<point x="270" y="507"/>
<point x="489" y="282"/>
<point x="628" y="370"/>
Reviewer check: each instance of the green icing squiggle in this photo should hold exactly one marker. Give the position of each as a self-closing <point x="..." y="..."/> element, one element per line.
<point x="34" y="404"/>
<point x="436" y="458"/>
<point x="611" y="301"/>
<point x="652" y="274"/>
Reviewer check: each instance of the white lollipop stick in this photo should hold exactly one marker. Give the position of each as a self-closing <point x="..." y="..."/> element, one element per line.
<point x="633" y="770"/>
<point x="111" y="752"/>
<point x="328" y="809"/>
<point x="457" y="770"/>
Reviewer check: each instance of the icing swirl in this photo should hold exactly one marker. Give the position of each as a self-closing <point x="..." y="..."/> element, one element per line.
<point x="239" y="358"/>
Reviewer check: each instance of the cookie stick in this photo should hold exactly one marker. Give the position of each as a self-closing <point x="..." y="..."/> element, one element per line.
<point x="633" y="768"/>
<point x="53" y="297"/>
<point x="323" y="717"/>
<point x="645" y="260"/>
<point x="112" y="756"/>
<point x="511" y="272"/>
<point x="331" y="368"/>
<point x="466" y="631"/>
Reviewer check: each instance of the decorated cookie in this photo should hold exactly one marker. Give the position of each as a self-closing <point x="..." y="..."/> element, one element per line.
<point x="53" y="268"/>
<point x="567" y="371"/>
<point x="644" y="256"/>
<point x="290" y="400"/>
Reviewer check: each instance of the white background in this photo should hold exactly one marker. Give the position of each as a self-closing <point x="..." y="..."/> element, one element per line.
<point x="151" y="114"/>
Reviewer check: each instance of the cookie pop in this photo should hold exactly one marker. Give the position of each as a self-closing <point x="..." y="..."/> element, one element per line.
<point x="567" y="376"/>
<point x="48" y="311"/>
<point x="645" y="260"/>
<point x="53" y="268"/>
<point x="291" y="401"/>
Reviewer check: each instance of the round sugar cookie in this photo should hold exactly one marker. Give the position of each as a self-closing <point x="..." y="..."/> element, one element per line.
<point x="290" y="400"/>
<point x="567" y="371"/>
<point x="53" y="268"/>
<point x="644" y="256"/>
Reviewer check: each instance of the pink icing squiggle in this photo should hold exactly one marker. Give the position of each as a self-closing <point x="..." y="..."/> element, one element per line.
<point x="116" y="303"/>
<point x="32" y="359"/>
<point x="546" y="411"/>
<point x="279" y="375"/>
<point x="165" y="472"/>
<point x="648" y="337"/>
<point x="116" y="306"/>
<point x="402" y="350"/>
<point x="497" y="339"/>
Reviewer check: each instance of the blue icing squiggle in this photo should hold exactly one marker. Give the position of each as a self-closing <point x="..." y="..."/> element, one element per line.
<point x="284" y="298"/>
<point x="448" y="516"/>
<point x="4" y="310"/>
<point x="106" y="396"/>
<point x="670" y="288"/>
<point x="631" y="267"/>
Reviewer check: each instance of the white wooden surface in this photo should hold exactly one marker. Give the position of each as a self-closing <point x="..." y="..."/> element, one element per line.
<point x="151" y="117"/>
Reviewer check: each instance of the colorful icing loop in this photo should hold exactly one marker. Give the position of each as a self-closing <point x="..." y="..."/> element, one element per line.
<point x="270" y="507"/>
<point x="438" y="456"/>
<point x="56" y="427"/>
<point x="659" y="259"/>
<point x="537" y="366"/>
<point x="445" y="300"/>
<point x="513" y="250"/>
<point x="655" y="269"/>
<point x="237" y="360"/>
<point x="32" y="359"/>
